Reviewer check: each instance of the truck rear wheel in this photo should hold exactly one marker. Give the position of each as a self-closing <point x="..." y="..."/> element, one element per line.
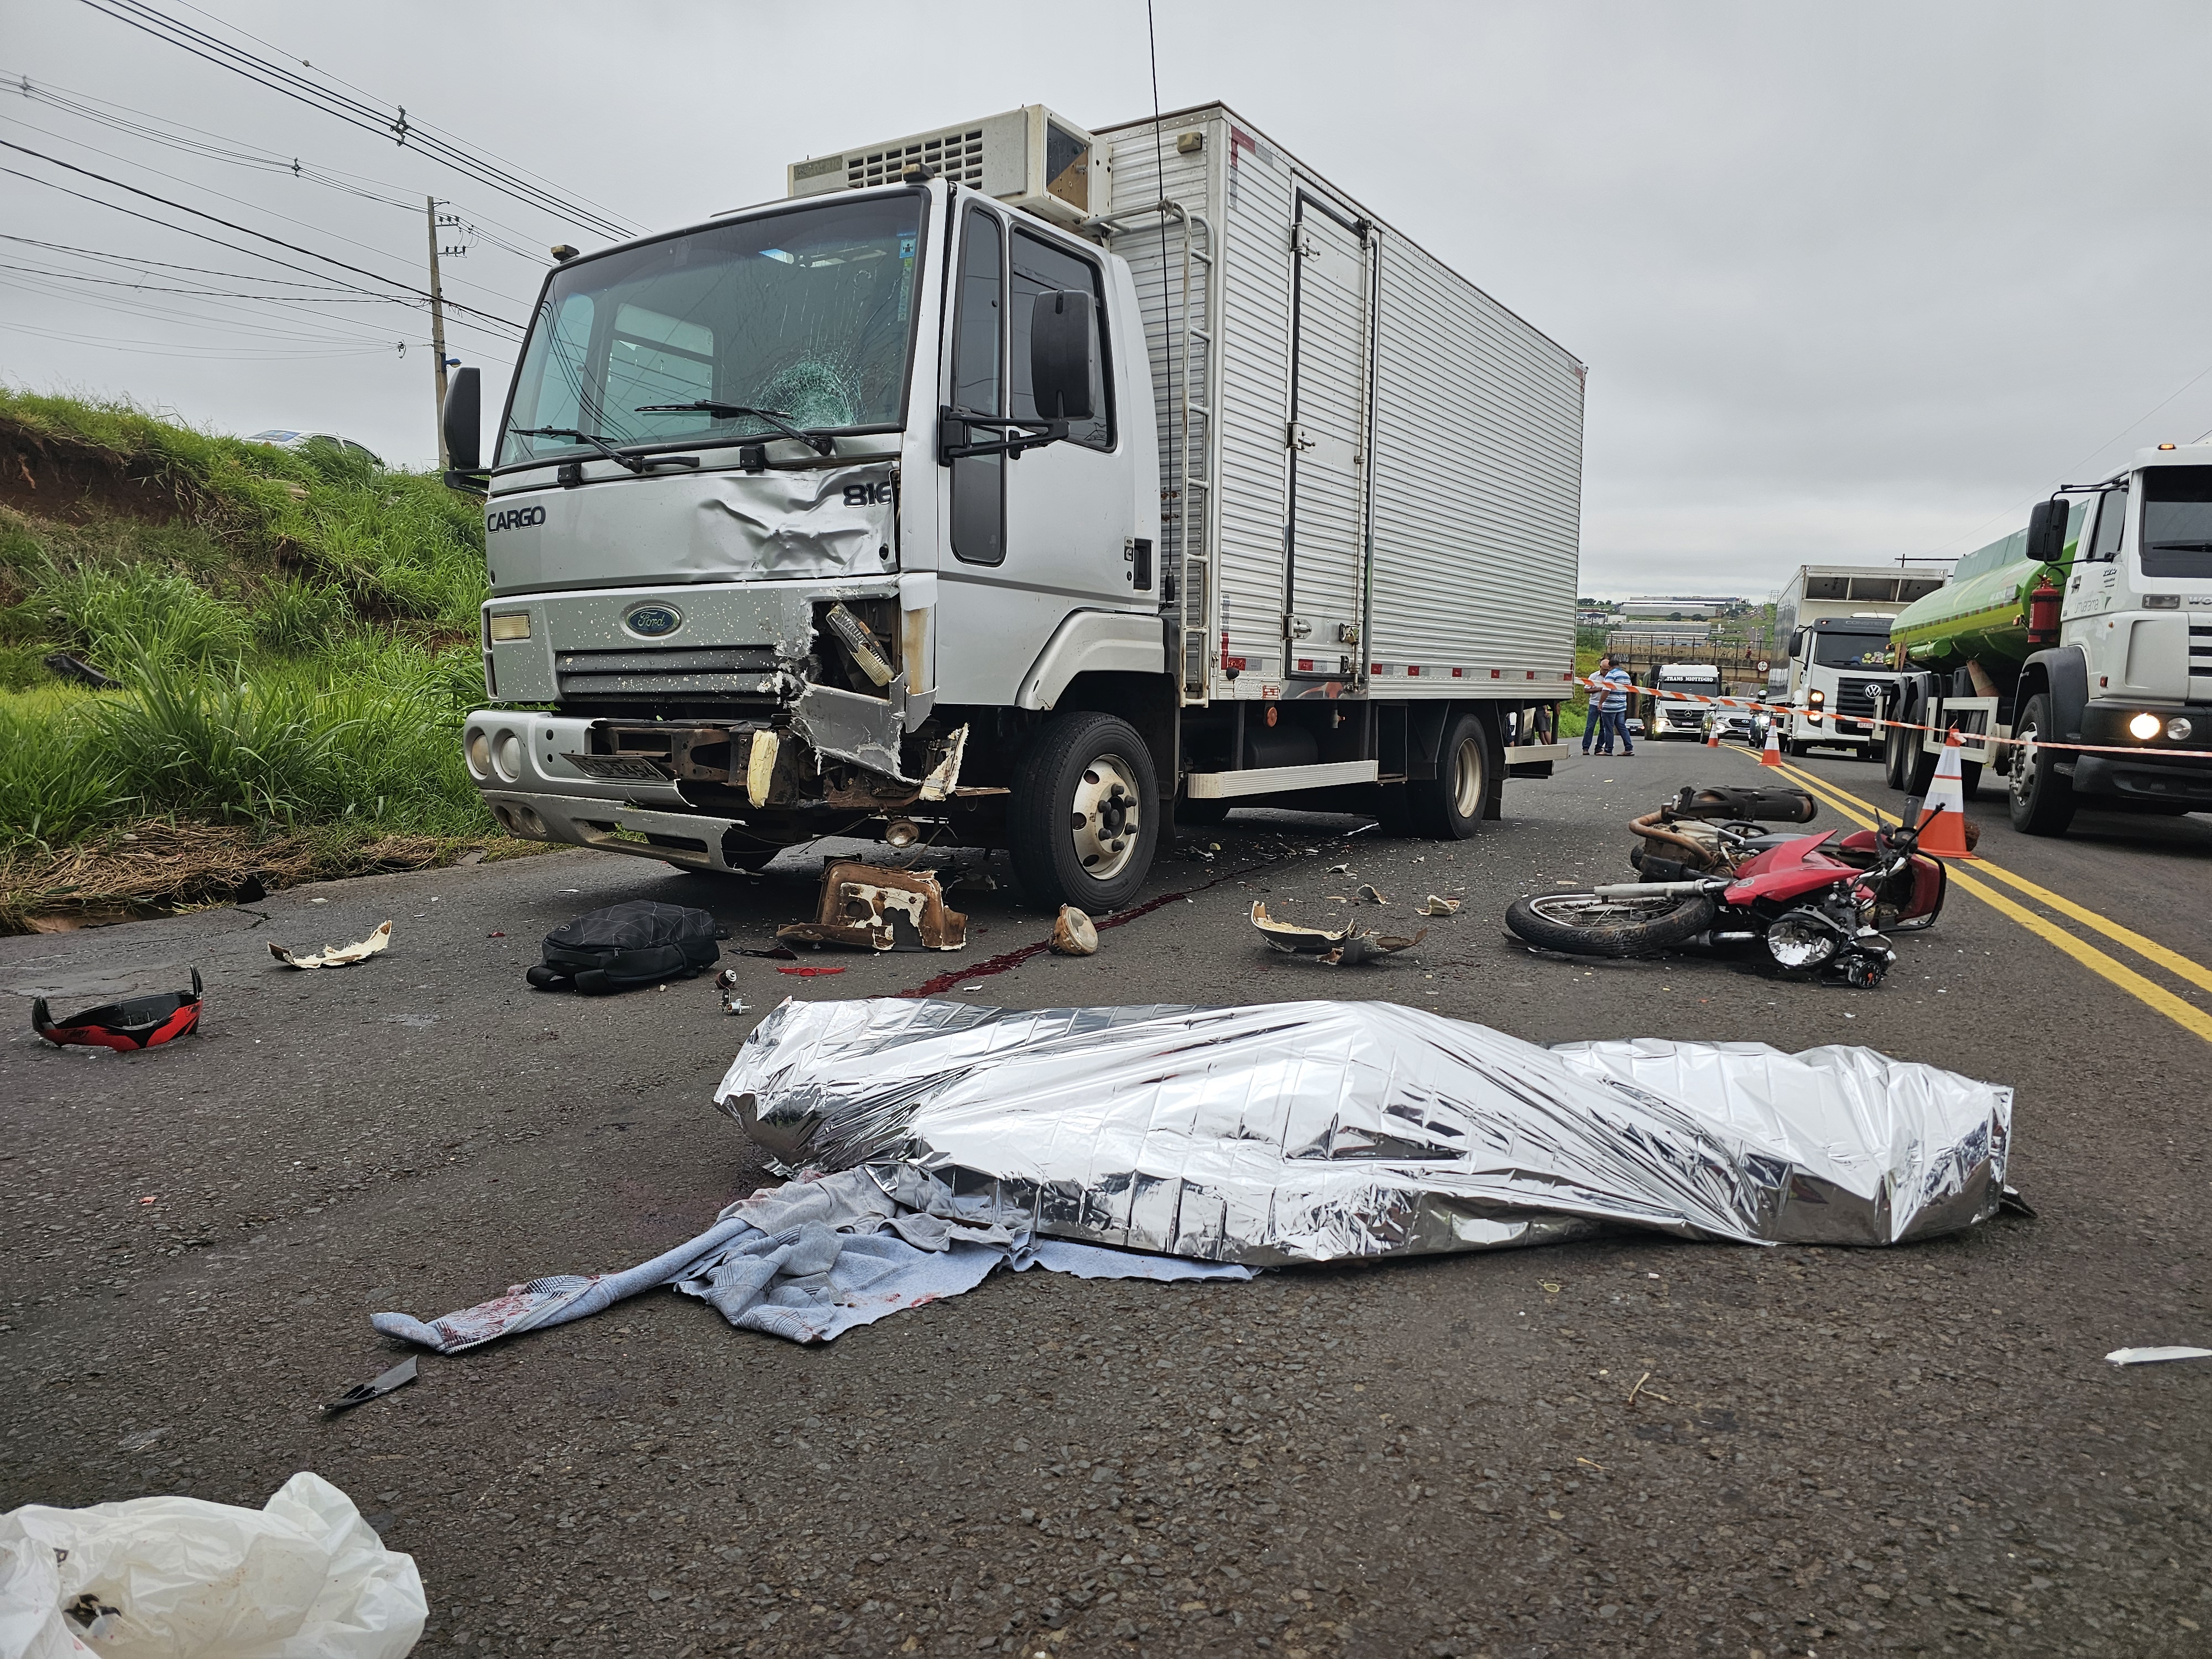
<point x="1085" y="814"/>
<point x="1448" y="807"/>
<point x="2039" y="801"/>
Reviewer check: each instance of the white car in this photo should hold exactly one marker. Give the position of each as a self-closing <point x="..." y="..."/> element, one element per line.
<point x="285" y="439"/>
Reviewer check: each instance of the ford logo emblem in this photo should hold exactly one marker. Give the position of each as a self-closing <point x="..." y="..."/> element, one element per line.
<point x="655" y="621"/>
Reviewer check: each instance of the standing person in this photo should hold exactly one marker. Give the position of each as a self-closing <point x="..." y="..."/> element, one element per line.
<point x="1592" y="720"/>
<point x="1616" y="680"/>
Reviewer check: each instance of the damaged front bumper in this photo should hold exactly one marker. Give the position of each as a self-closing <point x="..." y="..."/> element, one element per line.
<point x="709" y="794"/>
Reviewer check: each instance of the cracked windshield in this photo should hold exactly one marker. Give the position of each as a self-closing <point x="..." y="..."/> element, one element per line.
<point x="804" y="315"/>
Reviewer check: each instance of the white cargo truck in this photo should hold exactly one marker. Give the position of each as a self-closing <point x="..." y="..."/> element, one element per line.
<point x="1832" y="625"/>
<point x="1015" y="485"/>
<point x="1671" y="718"/>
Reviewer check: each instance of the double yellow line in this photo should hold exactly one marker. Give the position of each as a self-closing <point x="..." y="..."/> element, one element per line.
<point x="2186" y="1015"/>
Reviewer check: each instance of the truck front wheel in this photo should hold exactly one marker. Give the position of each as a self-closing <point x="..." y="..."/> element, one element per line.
<point x="1085" y="814"/>
<point x="1448" y="807"/>
<point x="2039" y="801"/>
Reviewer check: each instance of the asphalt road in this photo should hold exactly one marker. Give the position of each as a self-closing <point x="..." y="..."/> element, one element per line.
<point x="1832" y="1452"/>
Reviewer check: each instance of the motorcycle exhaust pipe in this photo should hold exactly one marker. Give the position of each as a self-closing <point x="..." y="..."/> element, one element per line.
<point x="1624" y="889"/>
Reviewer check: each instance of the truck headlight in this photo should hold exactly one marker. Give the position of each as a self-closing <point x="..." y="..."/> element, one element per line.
<point x="1816" y="696"/>
<point x="2145" y="727"/>
<point x="510" y="625"/>
<point x="2179" y="728"/>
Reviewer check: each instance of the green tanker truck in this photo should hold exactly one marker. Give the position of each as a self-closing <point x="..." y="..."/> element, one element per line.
<point x="2094" y="627"/>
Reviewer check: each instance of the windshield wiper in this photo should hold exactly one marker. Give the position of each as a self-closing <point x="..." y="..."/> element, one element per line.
<point x="617" y="455"/>
<point x="814" y="440"/>
<point x="2181" y="547"/>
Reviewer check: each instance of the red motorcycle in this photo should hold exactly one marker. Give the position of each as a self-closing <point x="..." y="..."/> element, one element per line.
<point x="1713" y="872"/>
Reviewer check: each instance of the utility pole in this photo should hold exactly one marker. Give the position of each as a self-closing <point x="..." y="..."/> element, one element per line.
<point x="438" y="337"/>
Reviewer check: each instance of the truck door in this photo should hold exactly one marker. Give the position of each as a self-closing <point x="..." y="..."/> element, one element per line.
<point x="1037" y="536"/>
<point x="1332" y="331"/>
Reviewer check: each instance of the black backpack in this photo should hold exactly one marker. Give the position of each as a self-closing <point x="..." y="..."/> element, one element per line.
<point x="626" y="945"/>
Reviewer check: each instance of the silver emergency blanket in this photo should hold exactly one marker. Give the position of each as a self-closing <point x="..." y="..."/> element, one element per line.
<point x="1313" y="1130"/>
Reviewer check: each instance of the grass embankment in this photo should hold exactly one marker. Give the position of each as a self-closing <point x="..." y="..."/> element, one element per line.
<point x="295" y="638"/>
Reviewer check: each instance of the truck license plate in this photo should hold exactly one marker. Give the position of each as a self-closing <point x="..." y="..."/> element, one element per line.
<point x="618" y="768"/>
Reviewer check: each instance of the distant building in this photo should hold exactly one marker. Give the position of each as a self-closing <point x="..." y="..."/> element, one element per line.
<point x="1686" y="607"/>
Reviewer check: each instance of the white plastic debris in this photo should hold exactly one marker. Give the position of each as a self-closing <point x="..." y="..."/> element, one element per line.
<point x="305" y="1577"/>
<point x="2153" y="1356"/>
<point x="336" y="956"/>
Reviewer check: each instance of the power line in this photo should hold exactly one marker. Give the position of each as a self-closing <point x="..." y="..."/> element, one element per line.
<point x="219" y="195"/>
<point x="226" y="224"/>
<point x="214" y="146"/>
<point x="168" y="264"/>
<point x="391" y="123"/>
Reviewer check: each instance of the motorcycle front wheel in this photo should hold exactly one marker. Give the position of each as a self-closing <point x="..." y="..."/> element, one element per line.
<point x="1585" y="925"/>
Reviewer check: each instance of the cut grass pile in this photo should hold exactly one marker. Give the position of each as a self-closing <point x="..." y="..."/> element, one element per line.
<point x="294" y="634"/>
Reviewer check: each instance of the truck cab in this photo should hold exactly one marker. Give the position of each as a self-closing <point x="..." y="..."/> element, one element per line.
<point x="1838" y="669"/>
<point x="1679" y="716"/>
<point x="2089" y="635"/>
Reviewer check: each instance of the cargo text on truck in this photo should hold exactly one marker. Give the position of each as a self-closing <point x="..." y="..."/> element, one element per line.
<point x="996" y="489"/>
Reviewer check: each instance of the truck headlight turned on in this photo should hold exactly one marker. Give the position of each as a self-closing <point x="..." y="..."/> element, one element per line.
<point x="2094" y="627"/>
<point x="979" y="490"/>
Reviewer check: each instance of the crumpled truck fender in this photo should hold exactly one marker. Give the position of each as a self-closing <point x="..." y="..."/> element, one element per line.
<point x="1088" y="642"/>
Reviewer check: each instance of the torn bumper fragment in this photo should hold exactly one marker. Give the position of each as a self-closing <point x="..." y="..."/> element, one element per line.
<point x="874" y="909"/>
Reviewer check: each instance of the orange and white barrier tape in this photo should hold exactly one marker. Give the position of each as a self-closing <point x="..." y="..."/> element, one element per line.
<point x="1593" y="682"/>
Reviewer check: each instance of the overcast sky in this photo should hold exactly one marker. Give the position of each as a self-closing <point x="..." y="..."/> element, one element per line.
<point x="1853" y="283"/>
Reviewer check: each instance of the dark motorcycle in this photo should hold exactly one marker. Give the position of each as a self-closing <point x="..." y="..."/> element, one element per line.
<point x="1712" y="871"/>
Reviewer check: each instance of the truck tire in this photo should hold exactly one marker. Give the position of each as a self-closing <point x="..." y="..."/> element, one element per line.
<point x="1896" y="754"/>
<point x="1085" y="814"/>
<point x="1585" y="925"/>
<point x="1448" y="807"/>
<point x="2039" y="800"/>
<point x="1919" y="768"/>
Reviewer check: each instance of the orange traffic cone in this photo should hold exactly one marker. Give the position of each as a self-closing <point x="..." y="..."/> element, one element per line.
<point x="1713" y="735"/>
<point x="1943" y="814"/>
<point x="1771" y="755"/>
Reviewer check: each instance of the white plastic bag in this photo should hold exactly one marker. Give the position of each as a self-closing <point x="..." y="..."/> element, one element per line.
<point x="179" y="1578"/>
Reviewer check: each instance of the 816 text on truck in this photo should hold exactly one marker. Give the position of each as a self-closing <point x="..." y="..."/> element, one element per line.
<point x="1011" y="485"/>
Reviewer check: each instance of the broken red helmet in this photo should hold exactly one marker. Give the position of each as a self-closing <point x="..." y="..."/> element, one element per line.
<point x="140" y="1023"/>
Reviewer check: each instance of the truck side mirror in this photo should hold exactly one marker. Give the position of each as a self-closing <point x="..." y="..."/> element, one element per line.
<point x="1796" y="639"/>
<point x="2046" y="531"/>
<point x="1063" y="337"/>
<point x="463" y="420"/>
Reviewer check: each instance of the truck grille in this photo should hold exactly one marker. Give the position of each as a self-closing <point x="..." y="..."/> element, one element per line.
<point x="1854" y="699"/>
<point x="2200" y="651"/>
<point x="717" y="670"/>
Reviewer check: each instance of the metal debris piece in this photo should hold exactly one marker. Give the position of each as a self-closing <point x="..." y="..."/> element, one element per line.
<point x="944" y="778"/>
<point x="871" y="907"/>
<point x="2155" y="1356"/>
<point x="1339" y="947"/>
<point x="1073" y="934"/>
<point x="1440" y="907"/>
<point x="760" y="766"/>
<point x="727" y="983"/>
<point x="1339" y="870"/>
<point x="376" y="1388"/>
<point x="336" y="956"/>
<point x="774" y="953"/>
<point x="1315" y="1131"/>
<point x="1373" y="895"/>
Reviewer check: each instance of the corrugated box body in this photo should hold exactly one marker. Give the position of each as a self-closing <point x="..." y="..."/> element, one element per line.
<point x="1371" y="470"/>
